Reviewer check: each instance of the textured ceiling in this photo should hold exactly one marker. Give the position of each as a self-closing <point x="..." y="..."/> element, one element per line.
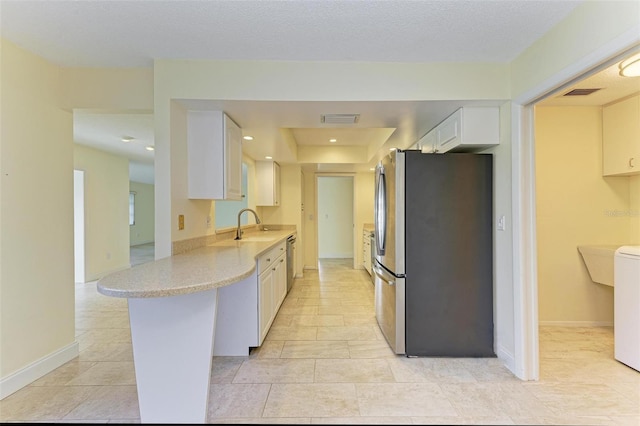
<point x="132" y="33"/>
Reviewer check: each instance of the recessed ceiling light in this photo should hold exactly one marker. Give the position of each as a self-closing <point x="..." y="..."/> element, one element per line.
<point x="268" y="158"/>
<point x="247" y="138"/>
<point x="333" y="140"/>
<point x="149" y="148"/>
<point x="391" y="149"/>
<point x="127" y="138"/>
<point x="372" y="169"/>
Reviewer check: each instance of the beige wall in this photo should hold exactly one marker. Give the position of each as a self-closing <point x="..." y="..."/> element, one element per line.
<point x="572" y="200"/>
<point x="36" y="220"/>
<point x="106" y="183"/>
<point x="142" y="230"/>
<point x="364" y="196"/>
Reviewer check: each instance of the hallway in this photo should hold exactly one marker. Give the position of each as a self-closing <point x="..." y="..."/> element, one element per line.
<point x="325" y="361"/>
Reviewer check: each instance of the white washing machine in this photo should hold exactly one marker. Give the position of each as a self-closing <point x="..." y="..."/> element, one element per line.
<point x="626" y="307"/>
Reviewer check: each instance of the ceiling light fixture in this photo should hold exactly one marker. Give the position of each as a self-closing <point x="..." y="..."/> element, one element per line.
<point x="127" y="138"/>
<point x="333" y="140"/>
<point x="247" y="138"/>
<point x="392" y="149"/>
<point x="268" y="157"/>
<point x="149" y="148"/>
<point x="630" y="67"/>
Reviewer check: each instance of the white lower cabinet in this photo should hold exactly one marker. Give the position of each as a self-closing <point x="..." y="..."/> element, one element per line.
<point x="246" y="309"/>
<point x="366" y="251"/>
<point x="272" y="287"/>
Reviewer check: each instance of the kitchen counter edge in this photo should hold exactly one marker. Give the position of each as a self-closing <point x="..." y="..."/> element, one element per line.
<point x="216" y="265"/>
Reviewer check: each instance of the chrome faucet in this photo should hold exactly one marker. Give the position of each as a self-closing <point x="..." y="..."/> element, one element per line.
<point x="239" y="231"/>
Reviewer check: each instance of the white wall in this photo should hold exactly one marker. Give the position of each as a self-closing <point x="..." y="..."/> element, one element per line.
<point x="335" y="216"/>
<point x="36" y="221"/>
<point x="572" y="200"/>
<point x="503" y="241"/>
<point x="142" y="231"/>
<point x="106" y="210"/>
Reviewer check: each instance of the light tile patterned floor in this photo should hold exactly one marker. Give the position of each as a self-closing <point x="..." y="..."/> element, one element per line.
<point x="325" y="362"/>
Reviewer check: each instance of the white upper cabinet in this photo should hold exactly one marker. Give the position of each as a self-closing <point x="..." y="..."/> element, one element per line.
<point x="621" y="137"/>
<point x="466" y="130"/>
<point x="214" y="144"/>
<point x="268" y="183"/>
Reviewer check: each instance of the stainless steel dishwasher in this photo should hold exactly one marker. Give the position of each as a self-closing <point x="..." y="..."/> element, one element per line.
<point x="291" y="255"/>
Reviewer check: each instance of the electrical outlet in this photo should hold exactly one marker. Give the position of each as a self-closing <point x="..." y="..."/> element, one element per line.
<point x="180" y="222"/>
<point x="501" y="223"/>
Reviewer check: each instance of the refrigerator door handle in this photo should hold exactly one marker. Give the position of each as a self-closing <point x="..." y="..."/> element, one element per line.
<point x="381" y="211"/>
<point x="384" y="275"/>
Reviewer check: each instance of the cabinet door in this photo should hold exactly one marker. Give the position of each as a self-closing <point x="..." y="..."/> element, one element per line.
<point x="276" y="184"/>
<point x="268" y="183"/>
<point x="621" y="138"/>
<point x="279" y="282"/>
<point x="265" y="302"/>
<point x="233" y="160"/>
<point x="449" y="132"/>
<point x="214" y="156"/>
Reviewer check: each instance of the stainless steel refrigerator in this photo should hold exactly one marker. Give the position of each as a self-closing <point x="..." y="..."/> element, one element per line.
<point x="434" y="253"/>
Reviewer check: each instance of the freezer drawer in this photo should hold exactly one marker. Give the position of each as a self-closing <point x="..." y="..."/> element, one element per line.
<point x="389" y="303"/>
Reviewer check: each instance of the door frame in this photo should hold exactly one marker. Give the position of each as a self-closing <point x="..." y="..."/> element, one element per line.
<point x="353" y="213"/>
<point x="525" y="296"/>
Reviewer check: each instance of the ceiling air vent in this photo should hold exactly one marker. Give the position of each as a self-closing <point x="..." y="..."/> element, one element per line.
<point x="580" y="92"/>
<point x="339" y="118"/>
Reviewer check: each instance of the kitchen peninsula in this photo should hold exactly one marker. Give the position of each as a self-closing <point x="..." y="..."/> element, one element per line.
<point x="184" y="306"/>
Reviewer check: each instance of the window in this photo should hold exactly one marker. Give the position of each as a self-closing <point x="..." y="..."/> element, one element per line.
<point x="132" y="208"/>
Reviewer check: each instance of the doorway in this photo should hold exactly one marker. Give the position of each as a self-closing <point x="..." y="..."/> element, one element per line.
<point x="335" y="213"/>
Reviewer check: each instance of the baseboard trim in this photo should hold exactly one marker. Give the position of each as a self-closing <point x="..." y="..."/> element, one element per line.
<point x="507" y="358"/>
<point x="37" y="369"/>
<point x="576" y="323"/>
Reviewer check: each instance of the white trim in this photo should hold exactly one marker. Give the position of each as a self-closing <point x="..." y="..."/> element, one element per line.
<point x="525" y="288"/>
<point x="576" y="323"/>
<point x="507" y="357"/>
<point x="37" y="369"/>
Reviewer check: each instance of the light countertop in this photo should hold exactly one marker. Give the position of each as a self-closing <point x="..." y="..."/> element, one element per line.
<point x="216" y="265"/>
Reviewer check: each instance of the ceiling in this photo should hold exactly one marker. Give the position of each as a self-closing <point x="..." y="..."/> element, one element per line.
<point x="101" y="33"/>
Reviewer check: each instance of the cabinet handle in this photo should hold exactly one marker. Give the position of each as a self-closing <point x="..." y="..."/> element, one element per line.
<point x="273" y="269"/>
<point x="631" y="162"/>
<point x="281" y="260"/>
<point x="268" y="259"/>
